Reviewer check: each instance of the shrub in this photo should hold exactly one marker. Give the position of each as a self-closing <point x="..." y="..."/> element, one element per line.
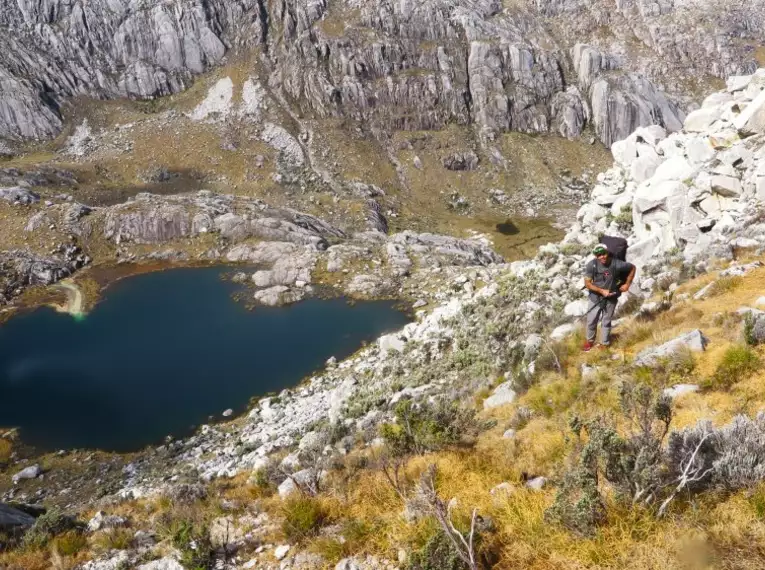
<point x="624" y="219"/>
<point x="438" y="553"/>
<point x="754" y="329"/>
<point x="731" y="457"/>
<point x="737" y="363"/>
<point x="419" y="429"/>
<point x="578" y="505"/>
<point x="303" y="517"/>
<point x="633" y="464"/>
<point x="46" y="527"/>
<point x="748" y="330"/>
<point x="681" y="363"/>
<point x="192" y="539"/>
<point x="69" y="543"/>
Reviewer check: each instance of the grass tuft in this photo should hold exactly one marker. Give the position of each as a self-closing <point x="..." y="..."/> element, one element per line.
<point x="303" y="517"/>
<point x="738" y="363"/>
<point x="724" y="285"/>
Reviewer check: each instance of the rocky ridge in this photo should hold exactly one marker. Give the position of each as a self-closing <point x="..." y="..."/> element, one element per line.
<point x="550" y="67"/>
<point x="658" y="191"/>
<point x="286" y="246"/>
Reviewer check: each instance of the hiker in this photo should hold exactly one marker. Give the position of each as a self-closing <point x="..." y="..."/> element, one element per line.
<point x="606" y="277"/>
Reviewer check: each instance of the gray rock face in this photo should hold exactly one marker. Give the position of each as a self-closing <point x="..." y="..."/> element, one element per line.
<point x="278" y="295"/>
<point x="536" y="67"/>
<point x="101" y="521"/>
<point x="461" y="161"/>
<point x="651" y="356"/>
<point x="503" y="394"/>
<point x="54" y="50"/>
<point x="457" y="251"/>
<point x="159" y="219"/>
<point x="18" y="195"/>
<point x="19" y="269"/>
<point x="116" y="562"/>
<point x="11" y="518"/>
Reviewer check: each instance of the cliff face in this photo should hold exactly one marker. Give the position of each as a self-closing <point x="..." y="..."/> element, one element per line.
<point x="554" y="66"/>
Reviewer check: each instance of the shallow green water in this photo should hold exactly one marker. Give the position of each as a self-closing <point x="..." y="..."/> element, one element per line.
<point x="160" y="354"/>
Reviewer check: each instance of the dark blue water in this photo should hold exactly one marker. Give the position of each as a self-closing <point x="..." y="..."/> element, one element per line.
<point x="161" y="353"/>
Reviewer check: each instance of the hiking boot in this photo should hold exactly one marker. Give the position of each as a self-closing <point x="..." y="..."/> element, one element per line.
<point x="587" y="346"/>
<point x="604" y="346"/>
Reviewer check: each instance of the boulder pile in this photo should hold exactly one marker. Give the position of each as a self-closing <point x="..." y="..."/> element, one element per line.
<point x="695" y="191"/>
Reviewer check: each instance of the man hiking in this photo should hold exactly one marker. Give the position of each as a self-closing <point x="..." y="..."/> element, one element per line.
<point x="606" y="278"/>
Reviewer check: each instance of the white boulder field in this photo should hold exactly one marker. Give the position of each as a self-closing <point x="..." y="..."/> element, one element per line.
<point x="693" y="191"/>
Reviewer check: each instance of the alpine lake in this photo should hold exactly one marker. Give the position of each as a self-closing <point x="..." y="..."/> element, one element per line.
<point x="162" y="353"/>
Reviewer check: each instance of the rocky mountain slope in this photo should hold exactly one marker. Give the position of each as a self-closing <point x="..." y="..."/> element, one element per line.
<point x="533" y="67"/>
<point x="689" y="203"/>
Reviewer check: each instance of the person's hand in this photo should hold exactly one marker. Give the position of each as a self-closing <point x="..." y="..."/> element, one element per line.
<point x="624" y="288"/>
<point x="606" y="293"/>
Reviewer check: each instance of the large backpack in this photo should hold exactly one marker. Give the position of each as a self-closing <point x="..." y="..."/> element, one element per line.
<point x="617" y="246"/>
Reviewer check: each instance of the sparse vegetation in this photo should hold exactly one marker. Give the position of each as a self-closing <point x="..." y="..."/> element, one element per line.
<point x="192" y="539"/>
<point x="303" y="517"/>
<point x="46" y="527"/>
<point x="112" y="539"/>
<point x="69" y="543"/>
<point x="6" y="448"/>
<point x="724" y="285"/>
<point x="419" y="429"/>
<point x="737" y="363"/>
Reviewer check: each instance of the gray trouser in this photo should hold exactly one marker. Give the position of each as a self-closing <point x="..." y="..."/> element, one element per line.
<point x="601" y="308"/>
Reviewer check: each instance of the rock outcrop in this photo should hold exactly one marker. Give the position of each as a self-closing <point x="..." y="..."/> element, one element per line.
<point x="531" y="67"/>
<point x="698" y="191"/>
<point x="20" y="269"/>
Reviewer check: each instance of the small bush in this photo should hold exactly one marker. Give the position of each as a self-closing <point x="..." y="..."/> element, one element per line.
<point x="738" y="363"/>
<point x="731" y="457"/>
<point x="69" y="543"/>
<point x="624" y="219"/>
<point x="578" y="505"/>
<point x="46" y="527"/>
<point x="192" y="539"/>
<point x="303" y="517"/>
<point x="633" y="464"/>
<point x="748" y="329"/>
<point x="419" y="429"/>
<point x="437" y="553"/>
<point x="754" y="330"/>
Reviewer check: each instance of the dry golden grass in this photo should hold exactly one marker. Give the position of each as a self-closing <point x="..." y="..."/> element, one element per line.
<point x="25" y="560"/>
<point x="715" y="531"/>
<point x="6" y="449"/>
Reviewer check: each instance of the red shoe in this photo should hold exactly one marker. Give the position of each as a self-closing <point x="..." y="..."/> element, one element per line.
<point x="587" y="346"/>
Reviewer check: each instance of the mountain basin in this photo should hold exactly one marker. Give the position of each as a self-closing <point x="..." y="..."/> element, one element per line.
<point x="161" y="353"/>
